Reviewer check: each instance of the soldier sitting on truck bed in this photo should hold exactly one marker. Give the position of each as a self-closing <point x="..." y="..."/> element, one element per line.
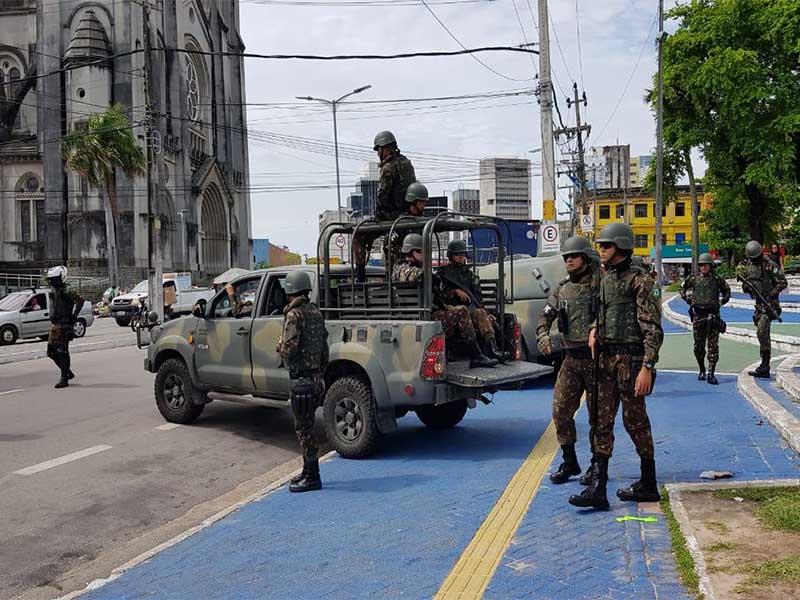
<point x="459" y="285"/>
<point x="456" y="321"/>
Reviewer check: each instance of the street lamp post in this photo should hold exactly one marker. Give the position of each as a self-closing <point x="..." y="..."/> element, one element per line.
<point x="185" y="244"/>
<point x="332" y="104"/>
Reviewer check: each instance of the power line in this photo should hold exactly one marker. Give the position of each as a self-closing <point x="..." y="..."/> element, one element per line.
<point x="578" y="33"/>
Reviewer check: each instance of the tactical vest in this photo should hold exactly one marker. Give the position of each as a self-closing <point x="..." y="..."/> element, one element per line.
<point x="759" y="276"/>
<point x="403" y="172"/>
<point x="63" y="305"/>
<point x="308" y="360"/>
<point x="706" y="290"/>
<point x="581" y="307"/>
<point x="619" y="323"/>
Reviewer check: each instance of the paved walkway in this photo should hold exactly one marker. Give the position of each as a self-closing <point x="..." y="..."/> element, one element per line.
<point x="784" y="297"/>
<point x="736" y="315"/>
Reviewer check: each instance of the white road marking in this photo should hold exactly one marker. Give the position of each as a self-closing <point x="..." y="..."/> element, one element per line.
<point x="167" y="426"/>
<point x="62" y="460"/>
<point x="10" y="392"/>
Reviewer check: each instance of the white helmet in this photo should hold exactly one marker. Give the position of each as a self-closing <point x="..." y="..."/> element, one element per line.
<point x="59" y="272"/>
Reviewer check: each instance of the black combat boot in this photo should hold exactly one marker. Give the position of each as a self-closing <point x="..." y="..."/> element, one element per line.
<point x="568" y="467"/>
<point x="302" y="475"/>
<point x="310" y="482"/>
<point x="590" y="475"/>
<point x="477" y="358"/>
<point x="594" y="496"/>
<point x="646" y="489"/>
<point x="712" y="379"/>
<point x="701" y="362"/>
<point x="762" y="370"/>
<point x="71" y="375"/>
<point x="492" y="351"/>
<point x="62" y="383"/>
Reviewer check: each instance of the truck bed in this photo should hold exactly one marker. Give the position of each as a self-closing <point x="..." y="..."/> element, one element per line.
<point x="459" y="373"/>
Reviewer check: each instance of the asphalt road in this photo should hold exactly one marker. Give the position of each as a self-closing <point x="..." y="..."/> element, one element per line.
<point x="102" y="330"/>
<point x="92" y="476"/>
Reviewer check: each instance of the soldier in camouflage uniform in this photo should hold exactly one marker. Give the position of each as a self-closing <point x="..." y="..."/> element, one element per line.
<point x="66" y="305"/>
<point x="241" y="308"/>
<point x="458" y="285"/>
<point x="304" y="350"/>
<point x="397" y="174"/>
<point x="574" y="304"/>
<point x="705" y="293"/>
<point x="759" y="272"/>
<point x="628" y="337"/>
<point x="456" y="321"/>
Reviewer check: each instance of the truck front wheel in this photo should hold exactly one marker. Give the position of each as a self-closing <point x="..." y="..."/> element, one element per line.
<point x="175" y="393"/>
<point x="350" y="419"/>
<point x="444" y="416"/>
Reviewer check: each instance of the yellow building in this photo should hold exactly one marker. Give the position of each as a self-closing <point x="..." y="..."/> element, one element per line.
<point x="637" y="209"/>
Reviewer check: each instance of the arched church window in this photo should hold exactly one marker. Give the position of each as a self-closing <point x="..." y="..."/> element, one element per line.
<point x="193" y="89"/>
<point x="13" y="78"/>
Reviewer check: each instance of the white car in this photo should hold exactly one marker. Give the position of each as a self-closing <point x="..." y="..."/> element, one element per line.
<point x="26" y="314"/>
<point x="123" y="307"/>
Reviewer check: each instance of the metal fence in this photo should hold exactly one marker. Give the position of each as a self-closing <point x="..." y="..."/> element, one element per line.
<point x="12" y="282"/>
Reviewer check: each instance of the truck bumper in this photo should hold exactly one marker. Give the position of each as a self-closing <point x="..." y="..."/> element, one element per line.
<point x="148" y="365"/>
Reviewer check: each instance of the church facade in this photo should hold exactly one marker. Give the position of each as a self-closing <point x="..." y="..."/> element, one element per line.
<point x="60" y="63"/>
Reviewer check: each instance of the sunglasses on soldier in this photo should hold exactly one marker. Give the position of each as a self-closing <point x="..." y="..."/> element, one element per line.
<point x="605" y="245"/>
<point x="568" y="256"/>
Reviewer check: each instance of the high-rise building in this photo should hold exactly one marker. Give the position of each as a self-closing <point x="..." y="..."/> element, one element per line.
<point x="467" y="201"/>
<point x="618" y="166"/>
<point x="361" y="202"/>
<point x="505" y="188"/>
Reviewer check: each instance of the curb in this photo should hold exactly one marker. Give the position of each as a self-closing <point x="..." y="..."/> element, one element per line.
<point x="781" y="419"/>
<point x="675" y="491"/>
<point x="16" y="357"/>
<point x="787" y="379"/>
<point x="792" y="307"/>
<point x="786" y="343"/>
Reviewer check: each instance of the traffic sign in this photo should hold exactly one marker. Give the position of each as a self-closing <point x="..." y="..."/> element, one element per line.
<point x="587" y="223"/>
<point x="550" y="241"/>
<point x="339" y="241"/>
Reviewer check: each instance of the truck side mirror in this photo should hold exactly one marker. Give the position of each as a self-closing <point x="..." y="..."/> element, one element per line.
<point x="199" y="309"/>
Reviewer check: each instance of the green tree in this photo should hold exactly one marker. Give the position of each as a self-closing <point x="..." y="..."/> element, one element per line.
<point x="731" y="85"/>
<point x="96" y="153"/>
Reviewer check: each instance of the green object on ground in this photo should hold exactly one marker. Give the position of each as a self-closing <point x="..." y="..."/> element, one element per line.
<point x="640" y="519"/>
<point x="785" y="570"/>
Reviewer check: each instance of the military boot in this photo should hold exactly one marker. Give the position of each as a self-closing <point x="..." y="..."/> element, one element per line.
<point x="568" y="467"/>
<point x="62" y="383"/>
<point x="590" y="475"/>
<point x="310" y="482"/>
<point x="762" y="370"/>
<point x="712" y="379"/>
<point x="646" y="489"/>
<point x="594" y="496"/>
<point x="701" y="375"/>
<point x="302" y="475"/>
<point x="477" y="358"/>
<point x="494" y="352"/>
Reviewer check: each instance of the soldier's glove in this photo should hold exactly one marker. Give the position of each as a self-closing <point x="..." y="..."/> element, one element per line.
<point x="304" y="396"/>
<point x="544" y="346"/>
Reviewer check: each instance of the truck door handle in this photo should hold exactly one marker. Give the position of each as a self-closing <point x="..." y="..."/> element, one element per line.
<point x="46" y="315"/>
<point x="242" y="331"/>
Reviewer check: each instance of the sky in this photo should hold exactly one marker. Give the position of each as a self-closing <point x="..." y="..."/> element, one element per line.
<point x="292" y="166"/>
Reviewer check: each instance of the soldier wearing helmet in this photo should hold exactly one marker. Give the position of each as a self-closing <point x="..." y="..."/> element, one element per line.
<point x="763" y="280"/>
<point x="573" y="304"/>
<point x="66" y="305"/>
<point x="459" y="285"/>
<point x="628" y="336"/>
<point x="456" y="321"/>
<point x="397" y="174"/>
<point x="705" y="293"/>
<point x="303" y="348"/>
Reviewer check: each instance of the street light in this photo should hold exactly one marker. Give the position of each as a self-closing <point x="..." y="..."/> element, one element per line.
<point x="332" y="104"/>
<point x="185" y="244"/>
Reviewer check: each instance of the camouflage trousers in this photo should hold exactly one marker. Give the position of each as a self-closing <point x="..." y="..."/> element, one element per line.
<point x="482" y="323"/>
<point x="763" y="325"/>
<point x="574" y="378"/>
<point x="705" y="333"/>
<point x="362" y="246"/>
<point x="456" y="322"/>
<point x="615" y="384"/>
<point x="59" y="337"/>
<point x="303" y="412"/>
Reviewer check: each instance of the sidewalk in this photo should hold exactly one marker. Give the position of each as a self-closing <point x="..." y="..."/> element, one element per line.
<point x="395" y="525"/>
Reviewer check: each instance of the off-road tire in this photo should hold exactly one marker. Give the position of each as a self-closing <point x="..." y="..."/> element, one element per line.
<point x="444" y="416"/>
<point x="351" y="398"/>
<point x="8" y="335"/>
<point x="172" y="379"/>
<point x="75" y="329"/>
<point x="123" y="321"/>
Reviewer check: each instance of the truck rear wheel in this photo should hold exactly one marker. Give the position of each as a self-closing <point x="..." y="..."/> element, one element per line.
<point x="123" y="321"/>
<point x="350" y="419"/>
<point x="175" y="394"/>
<point x="444" y="416"/>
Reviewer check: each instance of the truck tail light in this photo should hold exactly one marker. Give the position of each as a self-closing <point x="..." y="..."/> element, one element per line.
<point x="517" y="342"/>
<point x="434" y="361"/>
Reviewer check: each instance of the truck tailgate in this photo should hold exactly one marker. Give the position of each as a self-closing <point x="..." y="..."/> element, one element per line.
<point x="518" y="371"/>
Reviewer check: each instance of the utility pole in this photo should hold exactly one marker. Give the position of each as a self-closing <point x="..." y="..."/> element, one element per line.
<point x="581" y="167"/>
<point x="546" y="112"/>
<point x="660" y="142"/>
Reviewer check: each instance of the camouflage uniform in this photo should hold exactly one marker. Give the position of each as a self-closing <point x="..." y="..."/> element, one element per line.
<point x="66" y="304"/>
<point x="705" y="293"/>
<point x="304" y="350"/>
<point x="577" y="295"/>
<point x="469" y="281"/>
<point x="629" y="334"/>
<point x="770" y="281"/>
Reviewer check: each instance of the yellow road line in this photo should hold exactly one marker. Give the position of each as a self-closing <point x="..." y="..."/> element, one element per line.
<point x="475" y="567"/>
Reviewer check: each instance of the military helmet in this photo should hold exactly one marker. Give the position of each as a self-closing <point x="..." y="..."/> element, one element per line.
<point x="297" y="282"/>
<point x="416" y="191"/>
<point x="753" y="249"/>
<point x="638" y="261"/>
<point x="705" y="259"/>
<point x="456" y="247"/>
<point x="413" y="241"/>
<point x="619" y="234"/>
<point x="577" y="245"/>
<point x="384" y="138"/>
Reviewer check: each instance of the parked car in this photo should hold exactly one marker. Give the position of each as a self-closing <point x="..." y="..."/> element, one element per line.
<point x="793" y="267"/>
<point x="26" y="314"/>
<point x="125" y="306"/>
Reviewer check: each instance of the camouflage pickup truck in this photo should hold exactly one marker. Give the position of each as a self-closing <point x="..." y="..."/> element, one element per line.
<point x="387" y="355"/>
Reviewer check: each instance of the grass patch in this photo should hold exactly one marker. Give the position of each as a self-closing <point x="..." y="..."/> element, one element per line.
<point x="785" y="570"/>
<point x="777" y="508"/>
<point x="719" y="547"/>
<point x="682" y="555"/>
<point x="675" y="286"/>
<point x="717" y="527"/>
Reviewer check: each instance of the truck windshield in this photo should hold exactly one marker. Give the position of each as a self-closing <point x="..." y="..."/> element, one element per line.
<point x="14" y="301"/>
<point x="140" y="288"/>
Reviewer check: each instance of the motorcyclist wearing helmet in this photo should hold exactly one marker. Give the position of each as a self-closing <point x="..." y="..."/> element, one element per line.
<point x="66" y="306"/>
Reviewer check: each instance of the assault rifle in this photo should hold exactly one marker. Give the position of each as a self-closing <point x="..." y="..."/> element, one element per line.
<point x="770" y="310"/>
<point x="473" y="301"/>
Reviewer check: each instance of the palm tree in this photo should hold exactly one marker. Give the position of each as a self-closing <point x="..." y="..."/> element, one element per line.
<point x="95" y="153"/>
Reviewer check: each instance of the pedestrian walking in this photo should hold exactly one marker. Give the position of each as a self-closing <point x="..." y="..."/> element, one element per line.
<point x="573" y="304"/>
<point x="66" y="305"/>
<point x="303" y="348"/>
<point x="705" y="293"/>
<point x="627" y="337"/>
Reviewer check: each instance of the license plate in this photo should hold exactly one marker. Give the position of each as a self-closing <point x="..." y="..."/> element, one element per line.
<point x="119" y="313"/>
